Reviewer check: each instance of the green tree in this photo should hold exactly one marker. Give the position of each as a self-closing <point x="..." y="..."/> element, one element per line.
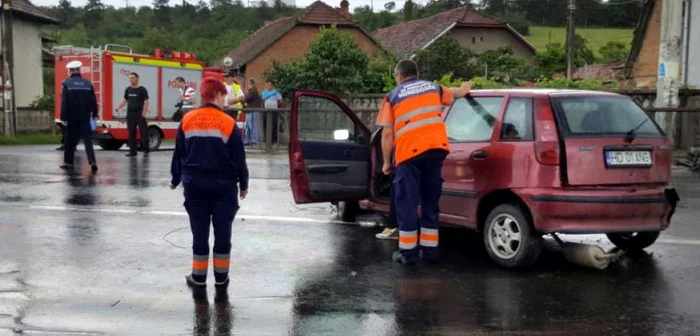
<point x="613" y="51"/>
<point x="66" y="13"/>
<point x="551" y="60"/>
<point x="370" y="21"/>
<point x="162" y="11"/>
<point x="76" y="36"/>
<point x="158" y="38"/>
<point x="445" y="56"/>
<point x="408" y="8"/>
<point x="93" y="13"/>
<point x="334" y="63"/>
<point x="583" y="54"/>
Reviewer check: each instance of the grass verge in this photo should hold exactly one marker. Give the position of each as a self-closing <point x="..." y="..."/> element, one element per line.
<point x="31" y="139"/>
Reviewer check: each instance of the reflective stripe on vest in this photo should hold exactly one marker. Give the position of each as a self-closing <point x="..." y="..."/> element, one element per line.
<point x="418" y="124"/>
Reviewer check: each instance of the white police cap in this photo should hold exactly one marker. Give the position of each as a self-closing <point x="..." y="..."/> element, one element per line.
<point x="74" y="65"/>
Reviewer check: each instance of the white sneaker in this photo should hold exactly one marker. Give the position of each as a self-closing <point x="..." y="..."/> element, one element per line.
<point x="388" y="233"/>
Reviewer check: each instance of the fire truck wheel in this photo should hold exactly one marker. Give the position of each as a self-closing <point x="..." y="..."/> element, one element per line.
<point x="111" y="144"/>
<point x="154" y="138"/>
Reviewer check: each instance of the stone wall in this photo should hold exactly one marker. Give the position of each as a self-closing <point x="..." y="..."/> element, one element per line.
<point x="32" y="121"/>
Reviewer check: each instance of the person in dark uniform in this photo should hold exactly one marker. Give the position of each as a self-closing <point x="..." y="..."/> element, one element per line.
<point x="136" y="101"/>
<point x="78" y="107"/>
<point x="209" y="160"/>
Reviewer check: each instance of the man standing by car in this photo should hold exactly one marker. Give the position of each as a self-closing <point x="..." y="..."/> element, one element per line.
<point x="136" y="101"/>
<point x="78" y="106"/>
<point x="411" y="117"/>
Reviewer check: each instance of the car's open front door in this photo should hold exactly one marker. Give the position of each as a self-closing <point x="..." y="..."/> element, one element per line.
<point x="329" y="151"/>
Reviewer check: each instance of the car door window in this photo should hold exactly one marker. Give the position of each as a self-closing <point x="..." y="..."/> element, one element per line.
<point x="517" y="123"/>
<point x="472" y="119"/>
<point x="321" y="119"/>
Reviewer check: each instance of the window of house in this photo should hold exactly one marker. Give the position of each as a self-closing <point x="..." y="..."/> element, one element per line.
<point x="482" y="39"/>
<point x="473" y="39"/>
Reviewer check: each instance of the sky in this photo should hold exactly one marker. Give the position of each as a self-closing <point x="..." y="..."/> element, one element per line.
<point x="378" y="4"/>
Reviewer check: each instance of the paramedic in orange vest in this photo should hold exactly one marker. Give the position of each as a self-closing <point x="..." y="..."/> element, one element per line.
<point x="411" y="117"/>
<point x="210" y="162"/>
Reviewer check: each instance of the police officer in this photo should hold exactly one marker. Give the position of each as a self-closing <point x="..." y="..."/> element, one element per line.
<point x="78" y="107"/>
<point x="411" y="117"/>
<point x="209" y="160"/>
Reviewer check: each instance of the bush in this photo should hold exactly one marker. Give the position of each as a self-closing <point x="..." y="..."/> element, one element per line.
<point x="46" y="102"/>
<point x="446" y="55"/>
<point x="614" y="51"/>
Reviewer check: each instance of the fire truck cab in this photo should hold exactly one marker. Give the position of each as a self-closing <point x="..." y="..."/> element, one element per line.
<point x="108" y="68"/>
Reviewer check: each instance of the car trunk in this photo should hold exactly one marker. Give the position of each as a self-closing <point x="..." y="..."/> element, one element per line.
<point x="609" y="140"/>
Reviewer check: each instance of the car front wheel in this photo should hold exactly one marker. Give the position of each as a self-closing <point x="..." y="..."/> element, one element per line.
<point x="633" y="241"/>
<point x="510" y="238"/>
<point x="348" y="211"/>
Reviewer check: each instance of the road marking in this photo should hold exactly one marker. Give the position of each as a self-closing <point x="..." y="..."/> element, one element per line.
<point x="677" y="241"/>
<point x="181" y="214"/>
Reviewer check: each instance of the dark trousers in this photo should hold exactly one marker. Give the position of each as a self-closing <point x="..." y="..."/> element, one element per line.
<point x="275" y="125"/>
<point x="418" y="182"/>
<point x="210" y="202"/>
<point x="76" y="130"/>
<point x="391" y="220"/>
<point x="132" y="122"/>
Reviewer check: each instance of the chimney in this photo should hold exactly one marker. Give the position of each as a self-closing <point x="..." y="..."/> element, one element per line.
<point x="345" y="6"/>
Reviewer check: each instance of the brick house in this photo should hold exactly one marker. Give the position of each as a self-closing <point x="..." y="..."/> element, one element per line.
<point x="470" y="28"/>
<point x="642" y="63"/>
<point x="289" y="38"/>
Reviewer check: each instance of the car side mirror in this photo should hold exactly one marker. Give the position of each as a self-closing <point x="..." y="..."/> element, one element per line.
<point x="341" y="135"/>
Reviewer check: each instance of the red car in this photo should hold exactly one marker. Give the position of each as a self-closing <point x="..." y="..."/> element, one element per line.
<point x="523" y="163"/>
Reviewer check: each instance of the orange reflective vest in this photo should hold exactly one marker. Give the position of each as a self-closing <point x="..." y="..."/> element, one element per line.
<point x="418" y="124"/>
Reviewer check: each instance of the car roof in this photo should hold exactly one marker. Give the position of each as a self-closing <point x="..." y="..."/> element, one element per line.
<point x="542" y="92"/>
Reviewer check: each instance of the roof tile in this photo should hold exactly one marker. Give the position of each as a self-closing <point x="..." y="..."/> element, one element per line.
<point x="27" y="8"/>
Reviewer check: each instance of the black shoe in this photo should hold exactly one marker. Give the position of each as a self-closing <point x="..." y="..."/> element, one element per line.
<point x="93" y="167"/>
<point x="130" y="155"/>
<point x="429" y="259"/>
<point x="67" y="166"/>
<point x="194" y="284"/>
<point x="61" y="148"/>
<point x="401" y="259"/>
<point x="223" y="284"/>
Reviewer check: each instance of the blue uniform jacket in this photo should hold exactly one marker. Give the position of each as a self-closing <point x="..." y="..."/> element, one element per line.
<point x="78" y="101"/>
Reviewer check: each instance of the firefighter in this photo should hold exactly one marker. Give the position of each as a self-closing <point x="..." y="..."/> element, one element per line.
<point x="411" y="117"/>
<point x="78" y="107"/>
<point x="210" y="162"/>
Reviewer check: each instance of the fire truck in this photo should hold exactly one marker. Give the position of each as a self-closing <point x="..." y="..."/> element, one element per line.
<point x="108" y="68"/>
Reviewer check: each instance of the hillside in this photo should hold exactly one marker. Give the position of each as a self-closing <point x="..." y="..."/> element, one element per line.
<point x="597" y="37"/>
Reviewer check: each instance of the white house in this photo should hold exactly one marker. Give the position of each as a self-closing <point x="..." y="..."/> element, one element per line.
<point x="27" y="21"/>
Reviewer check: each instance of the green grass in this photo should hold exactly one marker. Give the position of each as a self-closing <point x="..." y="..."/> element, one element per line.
<point x="31" y="139"/>
<point x="596" y="37"/>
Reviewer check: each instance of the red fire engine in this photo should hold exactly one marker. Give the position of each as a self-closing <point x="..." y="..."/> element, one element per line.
<point x="108" y="68"/>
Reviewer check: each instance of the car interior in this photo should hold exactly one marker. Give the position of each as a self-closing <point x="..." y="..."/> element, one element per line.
<point x="382" y="183"/>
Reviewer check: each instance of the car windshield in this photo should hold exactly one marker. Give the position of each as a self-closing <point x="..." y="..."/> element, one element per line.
<point x="604" y="116"/>
<point x="472" y="119"/>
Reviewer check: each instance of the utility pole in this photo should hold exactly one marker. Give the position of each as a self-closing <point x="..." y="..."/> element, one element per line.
<point x="570" y="36"/>
<point x="670" y="53"/>
<point x="10" y="114"/>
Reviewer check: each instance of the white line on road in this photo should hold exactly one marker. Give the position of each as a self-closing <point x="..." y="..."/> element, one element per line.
<point x="180" y="214"/>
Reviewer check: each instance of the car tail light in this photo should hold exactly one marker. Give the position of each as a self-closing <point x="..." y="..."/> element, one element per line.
<point x="547" y="140"/>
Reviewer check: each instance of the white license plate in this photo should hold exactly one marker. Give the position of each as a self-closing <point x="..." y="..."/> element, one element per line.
<point x="628" y="158"/>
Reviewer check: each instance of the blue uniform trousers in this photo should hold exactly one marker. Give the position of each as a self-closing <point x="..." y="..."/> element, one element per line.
<point x="76" y="130"/>
<point x="418" y="182"/>
<point x="210" y="202"/>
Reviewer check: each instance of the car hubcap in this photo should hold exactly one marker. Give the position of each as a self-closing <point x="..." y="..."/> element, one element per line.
<point x="505" y="236"/>
<point x="152" y="139"/>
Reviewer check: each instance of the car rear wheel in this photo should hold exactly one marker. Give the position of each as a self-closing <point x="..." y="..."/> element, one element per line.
<point x="110" y="144"/>
<point x="510" y="238"/>
<point x="154" y="138"/>
<point x="634" y="241"/>
<point x="348" y="211"/>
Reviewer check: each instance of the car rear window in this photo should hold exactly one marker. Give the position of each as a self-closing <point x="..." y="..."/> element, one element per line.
<point x="603" y="116"/>
<point x="472" y="119"/>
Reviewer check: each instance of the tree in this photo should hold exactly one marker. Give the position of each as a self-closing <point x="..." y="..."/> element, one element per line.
<point x="93" y="13"/>
<point x="66" y="13"/>
<point x="583" y="54"/>
<point x="408" y="7"/>
<point x="157" y="38"/>
<point x="370" y="21"/>
<point x="445" y="56"/>
<point x="162" y="11"/>
<point x="613" y="51"/>
<point x="334" y="63"/>
<point x="551" y="60"/>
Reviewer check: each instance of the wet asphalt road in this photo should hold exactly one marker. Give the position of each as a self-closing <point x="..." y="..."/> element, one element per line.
<point x="84" y="254"/>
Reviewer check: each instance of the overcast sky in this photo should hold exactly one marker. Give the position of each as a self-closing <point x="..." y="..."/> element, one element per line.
<point x="378" y="4"/>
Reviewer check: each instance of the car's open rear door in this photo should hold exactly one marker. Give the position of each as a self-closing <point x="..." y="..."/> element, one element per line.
<point x="329" y="151"/>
